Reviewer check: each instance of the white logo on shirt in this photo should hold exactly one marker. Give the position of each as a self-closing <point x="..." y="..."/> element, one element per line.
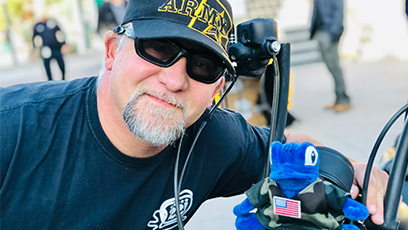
<point x="165" y="218"/>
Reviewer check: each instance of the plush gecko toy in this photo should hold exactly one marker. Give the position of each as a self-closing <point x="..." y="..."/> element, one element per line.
<point x="295" y="195"/>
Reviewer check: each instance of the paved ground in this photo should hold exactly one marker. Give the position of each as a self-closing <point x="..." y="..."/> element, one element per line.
<point x="76" y="66"/>
<point x="377" y="90"/>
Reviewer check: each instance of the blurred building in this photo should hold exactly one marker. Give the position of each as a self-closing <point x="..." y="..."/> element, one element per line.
<point x="263" y="8"/>
<point x="374" y="29"/>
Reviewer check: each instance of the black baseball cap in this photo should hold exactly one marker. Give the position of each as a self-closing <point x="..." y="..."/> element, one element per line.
<point x="204" y="22"/>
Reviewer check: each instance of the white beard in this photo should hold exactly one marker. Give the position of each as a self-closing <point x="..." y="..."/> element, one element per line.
<point x="150" y="125"/>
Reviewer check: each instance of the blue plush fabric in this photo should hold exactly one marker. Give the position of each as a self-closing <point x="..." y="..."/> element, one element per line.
<point x="246" y="220"/>
<point x="294" y="166"/>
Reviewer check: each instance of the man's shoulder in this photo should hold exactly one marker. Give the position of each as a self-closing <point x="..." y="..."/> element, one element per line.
<point x="39" y="27"/>
<point x="231" y="117"/>
<point x="224" y="116"/>
<point x="226" y="121"/>
<point x="226" y="113"/>
<point x="36" y="93"/>
<point x="39" y="23"/>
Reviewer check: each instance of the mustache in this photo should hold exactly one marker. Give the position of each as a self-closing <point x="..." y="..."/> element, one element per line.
<point x="145" y="121"/>
<point x="161" y="96"/>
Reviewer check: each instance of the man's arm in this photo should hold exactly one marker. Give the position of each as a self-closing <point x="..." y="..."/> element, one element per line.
<point x="377" y="188"/>
<point x="336" y="25"/>
<point x="300" y="137"/>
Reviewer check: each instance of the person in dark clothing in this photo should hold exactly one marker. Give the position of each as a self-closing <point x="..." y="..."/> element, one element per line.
<point x="110" y="15"/>
<point x="406" y="8"/>
<point x="50" y="40"/>
<point x="326" y="28"/>
<point x="101" y="152"/>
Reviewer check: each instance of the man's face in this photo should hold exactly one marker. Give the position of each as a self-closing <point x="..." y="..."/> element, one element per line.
<point x="157" y="103"/>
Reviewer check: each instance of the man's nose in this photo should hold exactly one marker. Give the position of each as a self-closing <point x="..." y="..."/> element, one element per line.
<point x="175" y="77"/>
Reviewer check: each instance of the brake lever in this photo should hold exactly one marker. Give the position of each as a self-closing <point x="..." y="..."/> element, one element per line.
<point x="280" y="75"/>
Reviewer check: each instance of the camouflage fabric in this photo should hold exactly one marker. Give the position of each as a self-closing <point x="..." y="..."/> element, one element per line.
<point x="321" y="205"/>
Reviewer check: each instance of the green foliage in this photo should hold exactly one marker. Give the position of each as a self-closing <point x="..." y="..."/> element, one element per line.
<point x="14" y="9"/>
<point x="2" y="20"/>
<point x="51" y="2"/>
<point x="11" y="10"/>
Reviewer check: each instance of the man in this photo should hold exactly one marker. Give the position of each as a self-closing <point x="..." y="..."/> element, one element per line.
<point x="50" y="41"/>
<point x="326" y="28"/>
<point x="100" y="153"/>
<point x="406" y="8"/>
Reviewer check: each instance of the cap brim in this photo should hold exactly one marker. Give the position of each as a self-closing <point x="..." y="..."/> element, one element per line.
<point x="157" y="28"/>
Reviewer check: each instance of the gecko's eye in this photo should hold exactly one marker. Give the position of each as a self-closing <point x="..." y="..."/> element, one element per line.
<point x="311" y="156"/>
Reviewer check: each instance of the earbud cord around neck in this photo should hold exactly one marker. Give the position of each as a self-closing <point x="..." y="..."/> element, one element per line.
<point x="179" y="181"/>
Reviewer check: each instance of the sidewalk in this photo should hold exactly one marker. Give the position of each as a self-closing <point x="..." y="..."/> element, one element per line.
<point x="377" y="90"/>
<point x="76" y="66"/>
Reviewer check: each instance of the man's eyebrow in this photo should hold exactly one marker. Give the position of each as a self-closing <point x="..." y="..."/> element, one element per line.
<point x="190" y="46"/>
<point x="195" y="48"/>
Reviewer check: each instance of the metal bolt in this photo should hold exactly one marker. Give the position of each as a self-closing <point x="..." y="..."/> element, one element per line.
<point x="275" y="46"/>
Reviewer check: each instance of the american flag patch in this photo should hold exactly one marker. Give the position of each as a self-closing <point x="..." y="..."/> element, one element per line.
<point x="286" y="207"/>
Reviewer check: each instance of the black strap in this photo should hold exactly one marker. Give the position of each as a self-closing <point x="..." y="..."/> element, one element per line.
<point x="336" y="168"/>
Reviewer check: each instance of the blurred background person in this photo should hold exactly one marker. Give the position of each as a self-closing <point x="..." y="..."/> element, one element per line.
<point x="49" y="40"/>
<point x="110" y="15"/>
<point x="406" y="8"/>
<point x="327" y="28"/>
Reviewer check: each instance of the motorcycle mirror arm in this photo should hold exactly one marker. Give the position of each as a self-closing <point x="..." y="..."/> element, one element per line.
<point x="395" y="182"/>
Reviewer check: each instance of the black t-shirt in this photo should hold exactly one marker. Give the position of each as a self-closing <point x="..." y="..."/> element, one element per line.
<point x="60" y="171"/>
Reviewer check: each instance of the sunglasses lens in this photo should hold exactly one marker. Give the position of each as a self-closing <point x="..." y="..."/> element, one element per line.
<point x="165" y="53"/>
<point x="159" y="51"/>
<point x="204" y="68"/>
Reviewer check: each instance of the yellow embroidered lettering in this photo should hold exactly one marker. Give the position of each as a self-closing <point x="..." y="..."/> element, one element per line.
<point x="188" y="7"/>
<point x="211" y="16"/>
<point x="203" y="17"/>
<point x="169" y="6"/>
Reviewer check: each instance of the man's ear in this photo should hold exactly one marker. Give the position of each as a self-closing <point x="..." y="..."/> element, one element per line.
<point x="111" y="44"/>
<point x="217" y="89"/>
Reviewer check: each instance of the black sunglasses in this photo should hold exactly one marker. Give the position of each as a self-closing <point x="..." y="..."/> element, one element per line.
<point x="163" y="52"/>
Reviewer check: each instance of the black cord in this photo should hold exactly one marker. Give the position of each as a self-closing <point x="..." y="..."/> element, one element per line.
<point x="375" y="150"/>
<point x="177" y="192"/>
<point x="178" y="181"/>
<point x="203" y="124"/>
